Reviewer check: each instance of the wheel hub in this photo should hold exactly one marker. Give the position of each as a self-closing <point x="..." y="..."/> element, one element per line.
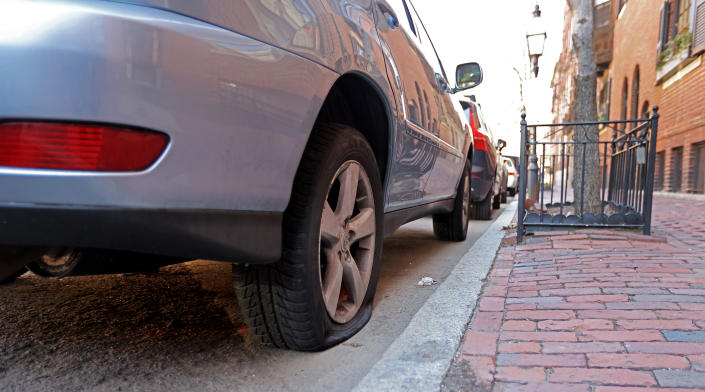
<point x="347" y="242"/>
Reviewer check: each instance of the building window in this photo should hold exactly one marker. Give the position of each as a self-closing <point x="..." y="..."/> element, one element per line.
<point x="660" y="166"/>
<point x="675" y="24"/>
<point x="677" y="171"/>
<point x="603" y="105"/>
<point x="645" y="110"/>
<point x="699" y="180"/>
<point x="620" y="5"/>
<point x="625" y="97"/>
<point x="602" y="13"/>
<point x="635" y="94"/>
<point x="683" y="21"/>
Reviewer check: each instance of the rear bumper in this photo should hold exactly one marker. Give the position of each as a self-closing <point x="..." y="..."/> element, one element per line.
<point x="246" y="237"/>
<point x="238" y="111"/>
<point x="512" y="182"/>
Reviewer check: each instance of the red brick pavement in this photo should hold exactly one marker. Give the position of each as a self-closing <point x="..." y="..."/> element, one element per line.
<point x="595" y="310"/>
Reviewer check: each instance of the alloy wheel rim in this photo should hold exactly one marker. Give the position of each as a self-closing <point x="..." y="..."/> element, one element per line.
<point x="347" y="241"/>
<point x="57" y="257"/>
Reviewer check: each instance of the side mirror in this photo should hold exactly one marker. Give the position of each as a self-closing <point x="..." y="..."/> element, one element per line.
<point x="501" y="144"/>
<point x="467" y="76"/>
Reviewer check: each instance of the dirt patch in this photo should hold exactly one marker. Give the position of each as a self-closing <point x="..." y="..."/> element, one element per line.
<point x="99" y="332"/>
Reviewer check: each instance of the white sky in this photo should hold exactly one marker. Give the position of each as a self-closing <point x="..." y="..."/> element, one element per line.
<point x="493" y="33"/>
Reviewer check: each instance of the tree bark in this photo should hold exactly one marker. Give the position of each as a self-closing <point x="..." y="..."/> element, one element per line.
<point x="586" y="158"/>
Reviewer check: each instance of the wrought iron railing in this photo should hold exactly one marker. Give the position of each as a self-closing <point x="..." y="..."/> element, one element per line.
<point x="549" y="176"/>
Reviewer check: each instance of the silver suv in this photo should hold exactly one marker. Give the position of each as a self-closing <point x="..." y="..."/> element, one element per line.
<point x="287" y="138"/>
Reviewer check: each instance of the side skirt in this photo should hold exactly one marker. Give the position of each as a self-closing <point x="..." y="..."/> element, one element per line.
<point x="394" y="219"/>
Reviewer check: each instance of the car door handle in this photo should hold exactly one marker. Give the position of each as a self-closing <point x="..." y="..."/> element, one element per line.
<point x="389" y="15"/>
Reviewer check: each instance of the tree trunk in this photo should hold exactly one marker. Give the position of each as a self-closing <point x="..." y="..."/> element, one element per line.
<point x="586" y="158"/>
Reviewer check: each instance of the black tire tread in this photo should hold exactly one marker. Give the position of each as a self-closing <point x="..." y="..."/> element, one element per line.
<point x="449" y="226"/>
<point x="483" y="209"/>
<point x="273" y="298"/>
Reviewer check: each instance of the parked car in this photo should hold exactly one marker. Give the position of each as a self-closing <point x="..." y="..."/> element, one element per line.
<point x="512" y="176"/>
<point x="287" y="140"/>
<point x="486" y="167"/>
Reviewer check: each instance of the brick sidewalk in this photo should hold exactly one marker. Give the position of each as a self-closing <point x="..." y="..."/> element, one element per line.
<point x="593" y="310"/>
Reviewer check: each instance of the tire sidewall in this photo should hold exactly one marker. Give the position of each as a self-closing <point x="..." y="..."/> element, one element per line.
<point x="466" y="176"/>
<point x="347" y="145"/>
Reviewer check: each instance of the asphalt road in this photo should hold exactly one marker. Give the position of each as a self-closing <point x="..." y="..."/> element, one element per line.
<point x="181" y="330"/>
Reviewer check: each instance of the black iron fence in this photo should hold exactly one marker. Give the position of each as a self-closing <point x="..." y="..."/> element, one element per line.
<point x="554" y="191"/>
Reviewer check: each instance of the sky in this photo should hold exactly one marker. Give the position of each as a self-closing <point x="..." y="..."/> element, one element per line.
<point x="493" y="33"/>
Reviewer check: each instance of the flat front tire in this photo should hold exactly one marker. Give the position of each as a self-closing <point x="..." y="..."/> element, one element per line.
<point x="320" y="292"/>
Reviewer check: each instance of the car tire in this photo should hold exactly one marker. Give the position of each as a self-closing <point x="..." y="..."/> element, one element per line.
<point x="56" y="263"/>
<point x="453" y="226"/>
<point x="483" y="209"/>
<point x="496" y="202"/>
<point x="301" y="302"/>
<point x="512" y="191"/>
<point x="503" y="196"/>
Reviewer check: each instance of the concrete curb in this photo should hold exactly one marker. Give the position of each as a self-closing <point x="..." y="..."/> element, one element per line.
<point x="420" y="357"/>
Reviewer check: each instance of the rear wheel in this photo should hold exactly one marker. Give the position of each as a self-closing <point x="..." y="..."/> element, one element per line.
<point x="496" y="201"/>
<point x="512" y="191"/>
<point x="453" y="226"/>
<point x="503" y="196"/>
<point x="320" y="292"/>
<point x="483" y="210"/>
<point x="56" y="263"/>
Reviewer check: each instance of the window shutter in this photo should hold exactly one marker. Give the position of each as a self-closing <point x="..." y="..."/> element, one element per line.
<point x="663" y="28"/>
<point x="699" y="26"/>
<point x="674" y="19"/>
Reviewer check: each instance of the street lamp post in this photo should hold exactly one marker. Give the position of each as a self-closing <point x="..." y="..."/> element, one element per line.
<point x="535" y="40"/>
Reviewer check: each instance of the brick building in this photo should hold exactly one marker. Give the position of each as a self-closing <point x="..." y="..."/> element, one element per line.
<point x="649" y="52"/>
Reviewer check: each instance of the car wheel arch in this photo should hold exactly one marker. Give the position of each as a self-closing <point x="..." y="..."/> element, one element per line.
<point x="356" y="100"/>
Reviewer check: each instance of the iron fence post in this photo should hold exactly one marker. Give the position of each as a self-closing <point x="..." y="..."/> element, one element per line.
<point x="650" y="168"/>
<point x="522" y="181"/>
<point x="533" y="169"/>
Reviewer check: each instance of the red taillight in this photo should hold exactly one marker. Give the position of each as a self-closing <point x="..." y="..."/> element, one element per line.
<point x="480" y="142"/>
<point x="78" y="147"/>
<point x="511" y="173"/>
<point x="480" y="139"/>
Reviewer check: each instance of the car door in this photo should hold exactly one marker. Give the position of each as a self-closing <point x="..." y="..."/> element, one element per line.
<point x="447" y="127"/>
<point x="422" y="118"/>
<point x="492" y="153"/>
<point x="415" y="147"/>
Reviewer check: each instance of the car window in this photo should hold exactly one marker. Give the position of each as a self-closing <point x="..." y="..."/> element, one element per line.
<point x="403" y="16"/>
<point x="410" y="20"/>
<point x="425" y="41"/>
